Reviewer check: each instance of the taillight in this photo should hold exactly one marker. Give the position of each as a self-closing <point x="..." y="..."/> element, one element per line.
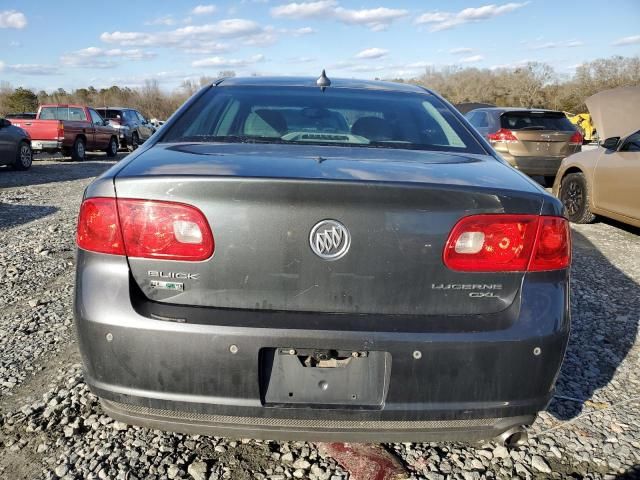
<point x="502" y="135"/>
<point x="508" y="243"/>
<point x="98" y="227"/>
<point x="149" y="229"/>
<point x="60" y="131"/>
<point x="576" y="139"/>
<point x="553" y="245"/>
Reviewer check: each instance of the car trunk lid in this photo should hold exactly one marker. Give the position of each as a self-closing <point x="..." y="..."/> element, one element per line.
<point x="263" y="203"/>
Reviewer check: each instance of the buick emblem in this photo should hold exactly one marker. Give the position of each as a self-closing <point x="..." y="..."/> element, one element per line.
<point x="330" y="240"/>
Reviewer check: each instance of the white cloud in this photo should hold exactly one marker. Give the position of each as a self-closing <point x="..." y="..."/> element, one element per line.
<point x="372" y="53"/>
<point x="1" y="65"/>
<point x="191" y="37"/>
<point x="221" y="62"/>
<point x="374" y="18"/>
<point x="472" y="59"/>
<point x="461" y="51"/>
<point x="547" y="45"/>
<point x="208" y="48"/>
<point x="33" y="69"/>
<point x="304" y="9"/>
<point x="444" y="20"/>
<point x="167" y="20"/>
<point x="298" y="32"/>
<point x="203" y="10"/>
<point x="631" y="40"/>
<point x="12" y="19"/>
<point x="94" y="57"/>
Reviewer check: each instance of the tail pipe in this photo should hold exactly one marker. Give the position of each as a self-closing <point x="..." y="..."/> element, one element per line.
<point x="514" y="437"/>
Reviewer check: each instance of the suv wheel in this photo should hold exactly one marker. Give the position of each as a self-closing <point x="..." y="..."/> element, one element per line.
<point x="575" y="196"/>
<point x="24" y="157"/>
<point x="78" y="152"/>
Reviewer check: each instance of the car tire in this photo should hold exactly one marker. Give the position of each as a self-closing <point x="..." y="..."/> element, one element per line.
<point x="78" y="152"/>
<point x="24" y="157"/>
<point x="112" y="148"/>
<point x="576" y="198"/>
<point x="135" y="142"/>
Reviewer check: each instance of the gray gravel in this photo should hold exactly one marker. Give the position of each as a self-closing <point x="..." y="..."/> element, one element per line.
<point x="52" y="427"/>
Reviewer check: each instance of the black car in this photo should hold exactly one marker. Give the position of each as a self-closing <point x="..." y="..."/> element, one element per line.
<point x="15" y="146"/>
<point x="133" y="128"/>
<point x="350" y="262"/>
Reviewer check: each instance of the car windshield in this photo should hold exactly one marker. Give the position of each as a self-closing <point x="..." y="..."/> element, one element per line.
<point x="337" y="116"/>
<point x="536" y="121"/>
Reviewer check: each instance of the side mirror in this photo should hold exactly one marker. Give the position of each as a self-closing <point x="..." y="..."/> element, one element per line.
<point x="611" y="143"/>
<point x="4" y="122"/>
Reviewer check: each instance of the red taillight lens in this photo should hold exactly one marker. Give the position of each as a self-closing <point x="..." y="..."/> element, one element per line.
<point x="154" y="229"/>
<point x="98" y="226"/>
<point x="576" y="139"/>
<point x="502" y="135"/>
<point x="508" y="243"/>
<point x="553" y="245"/>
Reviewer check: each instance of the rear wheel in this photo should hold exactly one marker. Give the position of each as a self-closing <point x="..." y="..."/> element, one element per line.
<point x="78" y="152"/>
<point x="575" y="196"/>
<point x="135" y="141"/>
<point x="24" y="157"/>
<point x="112" y="148"/>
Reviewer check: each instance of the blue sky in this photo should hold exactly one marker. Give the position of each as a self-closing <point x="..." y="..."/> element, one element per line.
<point x="45" y="45"/>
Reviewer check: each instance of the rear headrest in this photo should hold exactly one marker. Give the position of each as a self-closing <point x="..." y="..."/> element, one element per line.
<point x="373" y="128"/>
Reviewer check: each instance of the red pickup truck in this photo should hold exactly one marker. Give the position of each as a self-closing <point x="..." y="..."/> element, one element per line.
<point x="70" y="129"/>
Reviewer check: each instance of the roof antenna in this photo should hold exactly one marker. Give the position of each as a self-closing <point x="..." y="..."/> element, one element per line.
<point x="323" y="81"/>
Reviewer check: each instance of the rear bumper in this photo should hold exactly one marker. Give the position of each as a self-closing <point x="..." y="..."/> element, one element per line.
<point x="547" y="166"/>
<point x="46" y="145"/>
<point x="466" y="385"/>
<point x="313" y="429"/>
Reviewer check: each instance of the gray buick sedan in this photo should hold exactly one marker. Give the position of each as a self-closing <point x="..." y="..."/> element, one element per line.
<point x="292" y="258"/>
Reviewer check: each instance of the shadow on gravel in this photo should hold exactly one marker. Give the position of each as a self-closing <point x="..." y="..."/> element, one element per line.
<point x="13" y="215"/>
<point x="52" y="172"/>
<point x="633" y="474"/>
<point x="604" y="306"/>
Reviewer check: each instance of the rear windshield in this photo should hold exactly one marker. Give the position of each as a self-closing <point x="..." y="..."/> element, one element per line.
<point x="62" y="113"/>
<point x="337" y="116"/>
<point x="536" y="121"/>
<point x="109" y="114"/>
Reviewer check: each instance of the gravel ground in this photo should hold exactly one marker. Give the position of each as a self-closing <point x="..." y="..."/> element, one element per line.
<point x="52" y="427"/>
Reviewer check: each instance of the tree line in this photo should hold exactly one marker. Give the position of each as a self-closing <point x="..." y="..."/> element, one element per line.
<point x="533" y="84"/>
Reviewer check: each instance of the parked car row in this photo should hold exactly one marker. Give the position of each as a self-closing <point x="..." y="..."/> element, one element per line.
<point x="602" y="181"/>
<point x="74" y="130"/>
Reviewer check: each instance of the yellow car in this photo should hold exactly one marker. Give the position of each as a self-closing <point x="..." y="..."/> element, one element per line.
<point x="604" y="181"/>
<point x="584" y="122"/>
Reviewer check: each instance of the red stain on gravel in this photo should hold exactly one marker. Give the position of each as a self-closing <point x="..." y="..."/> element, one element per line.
<point x="365" y="461"/>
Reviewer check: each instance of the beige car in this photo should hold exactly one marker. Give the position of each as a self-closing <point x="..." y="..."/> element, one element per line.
<point x="532" y="140"/>
<point x="606" y="181"/>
